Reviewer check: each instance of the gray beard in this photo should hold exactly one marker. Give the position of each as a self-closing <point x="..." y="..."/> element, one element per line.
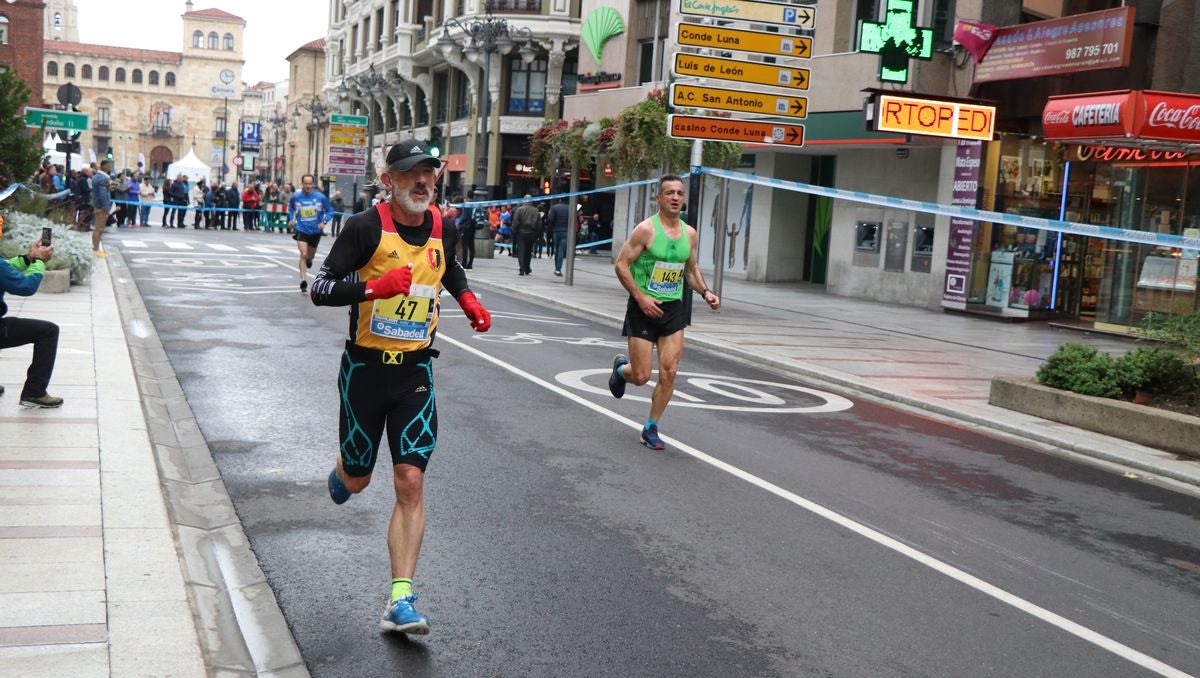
<point x="408" y="204"/>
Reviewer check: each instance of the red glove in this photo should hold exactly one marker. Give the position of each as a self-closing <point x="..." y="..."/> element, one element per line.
<point x="480" y="319"/>
<point x="396" y="281"/>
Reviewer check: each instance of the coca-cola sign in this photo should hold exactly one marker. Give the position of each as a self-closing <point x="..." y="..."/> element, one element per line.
<point x="1092" y="116"/>
<point x="1056" y="117"/>
<point x="1171" y="116"/>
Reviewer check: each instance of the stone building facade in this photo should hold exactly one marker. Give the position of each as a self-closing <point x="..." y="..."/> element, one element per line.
<point x="21" y="44"/>
<point x="155" y="103"/>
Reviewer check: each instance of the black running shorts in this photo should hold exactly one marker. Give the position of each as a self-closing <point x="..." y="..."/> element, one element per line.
<point x="313" y="239"/>
<point x="637" y="324"/>
<point x="393" y="391"/>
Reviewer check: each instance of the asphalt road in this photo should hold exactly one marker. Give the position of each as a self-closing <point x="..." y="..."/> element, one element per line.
<point x="786" y="531"/>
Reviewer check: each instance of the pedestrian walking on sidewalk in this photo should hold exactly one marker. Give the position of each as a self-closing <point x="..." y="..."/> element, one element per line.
<point x="21" y="276"/>
<point x="652" y="265"/>
<point x="308" y="213"/>
<point x="146" y="196"/>
<point x="527" y="227"/>
<point x="101" y="203"/>
<point x="389" y="266"/>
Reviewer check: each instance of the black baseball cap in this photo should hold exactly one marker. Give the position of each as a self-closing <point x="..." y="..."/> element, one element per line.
<point x="407" y="154"/>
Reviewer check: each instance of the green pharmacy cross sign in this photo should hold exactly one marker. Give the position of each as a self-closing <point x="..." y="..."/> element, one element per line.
<point x="896" y="40"/>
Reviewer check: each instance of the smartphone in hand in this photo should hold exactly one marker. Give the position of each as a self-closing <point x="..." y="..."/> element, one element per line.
<point x="46" y="236"/>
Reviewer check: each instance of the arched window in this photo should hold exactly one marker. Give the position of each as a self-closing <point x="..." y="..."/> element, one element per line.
<point x="198" y="39"/>
<point x="120" y="75"/>
<point x="213" y="40"/>
<point x="86" y="72"/>
<point x="137" y="76"/>
<point x="69" y="71"/>
<point x="228" y="42"/>
<point x="153" y="77"/>
<point x="52" y="68"/>
<point x="170" y="79"/>
<point x="104" y="72"/>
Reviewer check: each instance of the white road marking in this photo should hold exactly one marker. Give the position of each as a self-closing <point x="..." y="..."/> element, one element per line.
<point x="1075" y="629"/>
<point x="134" y="244"/>
<point x="171" y="244"/>
<point x="763" y="402"/>
<point x="262" y="250"/>
<point x="221" y="248"/>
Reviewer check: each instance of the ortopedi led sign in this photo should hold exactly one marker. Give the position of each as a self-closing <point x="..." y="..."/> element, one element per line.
<point x="933" y="117"/>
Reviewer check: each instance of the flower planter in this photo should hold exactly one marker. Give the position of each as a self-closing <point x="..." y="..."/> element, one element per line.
<point x="1149" y="426"/>
<point x="56" y="282"/>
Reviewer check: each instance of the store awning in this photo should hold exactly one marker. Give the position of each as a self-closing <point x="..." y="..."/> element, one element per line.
<point x="1134" y="118"/>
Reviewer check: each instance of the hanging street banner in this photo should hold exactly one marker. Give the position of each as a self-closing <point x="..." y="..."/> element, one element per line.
<point x="741" y="71"/>
<point x="756" y="11"/>
<point x="738" y="100"/>
<point x="728" y="129"/>
<point x="757" y="42"/>
<point x="52" y="119"/>
<point x="347" y="144"/>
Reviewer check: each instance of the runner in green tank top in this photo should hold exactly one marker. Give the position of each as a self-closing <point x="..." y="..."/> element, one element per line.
<point x="657" y="257"/>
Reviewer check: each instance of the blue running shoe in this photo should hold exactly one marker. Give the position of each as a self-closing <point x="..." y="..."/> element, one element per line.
<point x="650" y="439"/>
<point x="616" y="385"/>
<point x="338" y="491"/>
<point x="402" y="618"/>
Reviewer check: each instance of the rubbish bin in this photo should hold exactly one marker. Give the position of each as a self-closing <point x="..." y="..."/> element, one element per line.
<point x="485" y="243"/>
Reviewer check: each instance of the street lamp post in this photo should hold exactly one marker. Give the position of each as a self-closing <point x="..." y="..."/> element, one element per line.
<point x="487" y="36"/>
<point x="368" y="86"/>
<point x="319" y="111"/>
<point x="277" y="123"/>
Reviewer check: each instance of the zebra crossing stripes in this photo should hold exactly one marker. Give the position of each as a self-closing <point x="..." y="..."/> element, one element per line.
<point x="144" y="244"/>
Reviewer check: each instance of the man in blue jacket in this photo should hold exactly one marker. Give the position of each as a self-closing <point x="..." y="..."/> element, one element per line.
<point x="21" y="276"/>
<point x="308" y="212"/>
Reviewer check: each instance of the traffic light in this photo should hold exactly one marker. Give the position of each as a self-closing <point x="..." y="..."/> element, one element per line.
<point x="435" y="141"/>
<point x="108" y="153"/>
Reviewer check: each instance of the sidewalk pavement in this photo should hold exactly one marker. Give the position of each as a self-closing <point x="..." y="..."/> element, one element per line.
<point x="120" y="552"/>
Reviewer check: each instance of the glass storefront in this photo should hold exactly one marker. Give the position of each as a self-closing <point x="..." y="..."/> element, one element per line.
<point x="1110" y="284"/>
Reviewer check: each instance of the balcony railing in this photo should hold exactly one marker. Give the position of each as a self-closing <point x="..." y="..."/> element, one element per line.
<point x="102" y="125"/>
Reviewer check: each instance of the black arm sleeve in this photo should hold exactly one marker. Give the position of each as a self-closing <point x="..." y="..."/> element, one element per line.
<point x="455" y="278"/>
<point x="337" y="283"/>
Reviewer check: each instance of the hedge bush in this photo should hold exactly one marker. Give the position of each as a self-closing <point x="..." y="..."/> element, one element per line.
<point x="1084" y="370"/>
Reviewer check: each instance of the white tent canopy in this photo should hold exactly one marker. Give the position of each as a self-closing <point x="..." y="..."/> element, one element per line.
<point x="191" y="167"/>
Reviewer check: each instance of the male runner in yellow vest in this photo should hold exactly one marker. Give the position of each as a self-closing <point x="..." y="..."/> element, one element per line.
<point x="659" y="254"/>
<point x="389" y="266"/>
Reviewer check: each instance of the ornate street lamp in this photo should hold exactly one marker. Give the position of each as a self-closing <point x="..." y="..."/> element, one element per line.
<point x="480" y="39"/>
<point x="277" y="123"/>
<point x="319" y="110"/>
<point x="368" y="86"/>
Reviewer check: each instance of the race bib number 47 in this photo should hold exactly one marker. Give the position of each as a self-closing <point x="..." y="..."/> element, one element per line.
<point x="404" y="317"/>
<point x="666" y="278"/>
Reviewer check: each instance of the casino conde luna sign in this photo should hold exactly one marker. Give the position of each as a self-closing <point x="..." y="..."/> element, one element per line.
<point x="1128" y="116"/>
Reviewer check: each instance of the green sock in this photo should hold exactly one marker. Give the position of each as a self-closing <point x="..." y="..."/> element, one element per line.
<point x="401" y="588"/>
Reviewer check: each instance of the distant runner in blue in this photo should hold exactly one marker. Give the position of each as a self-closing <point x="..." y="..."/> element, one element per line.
<point x="308" y="213"/>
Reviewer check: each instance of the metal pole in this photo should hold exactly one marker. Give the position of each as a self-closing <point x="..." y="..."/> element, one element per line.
<point x="695" y="186"/>
<point x="719" y="231"/>
<point x="224" y="139"/>
<point x="485" y="107"/>
<point x="572" y="221"/>
<point x="370" y="138"/>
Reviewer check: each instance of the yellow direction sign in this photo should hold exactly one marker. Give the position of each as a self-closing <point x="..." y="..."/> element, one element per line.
<point x="759" y="42"/>
<point x="728" y="129"/>
<point x="741" y="101"/>
<point x="741" y="71"/>
<point x="757" y="11"/>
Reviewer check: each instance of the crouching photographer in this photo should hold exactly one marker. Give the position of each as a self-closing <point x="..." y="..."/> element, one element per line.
<point x="21" y="276"/>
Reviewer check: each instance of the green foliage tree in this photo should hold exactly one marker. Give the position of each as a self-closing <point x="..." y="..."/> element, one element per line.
<point x="20" y="152"/>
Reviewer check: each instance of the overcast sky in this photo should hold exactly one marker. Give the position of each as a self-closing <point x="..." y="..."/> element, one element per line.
<point x="274" y="29"/>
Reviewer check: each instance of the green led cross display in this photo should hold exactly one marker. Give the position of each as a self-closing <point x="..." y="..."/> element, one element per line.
<point x="896" y="40"/>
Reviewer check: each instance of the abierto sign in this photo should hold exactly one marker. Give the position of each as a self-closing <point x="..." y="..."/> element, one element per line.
<point x="934" y="117"/>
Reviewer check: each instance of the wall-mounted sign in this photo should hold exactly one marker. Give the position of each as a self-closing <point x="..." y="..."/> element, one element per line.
<point x="601" y="80"/>
<point x="741" y="71"/>
<point x="758" y="42"/>
<point x="756" y="11"/>
<point x="738" y="100"/>
<point x="933" y="117"/>
<point x="1124" y="155"/>
<point x="1084" y="42"/>
<point x="1128" y="115"/>
<point x="743" y="131"/>
<point x="599" y="26"/>
<point x="896" y="40"/>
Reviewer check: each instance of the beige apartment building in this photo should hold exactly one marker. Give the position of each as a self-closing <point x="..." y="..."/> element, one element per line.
<point x="154" y="103"/>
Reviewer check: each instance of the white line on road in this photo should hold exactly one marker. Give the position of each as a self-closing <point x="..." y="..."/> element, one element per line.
<point x="221" y="248"/>
<point x="171" y="244"/>
<point x="134" y="244"/>
<point x="1078" y="630"/>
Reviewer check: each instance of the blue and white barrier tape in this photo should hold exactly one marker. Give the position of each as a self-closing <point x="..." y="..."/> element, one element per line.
<point x="556" y="196"/>
<point x="1069" y="227"/>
